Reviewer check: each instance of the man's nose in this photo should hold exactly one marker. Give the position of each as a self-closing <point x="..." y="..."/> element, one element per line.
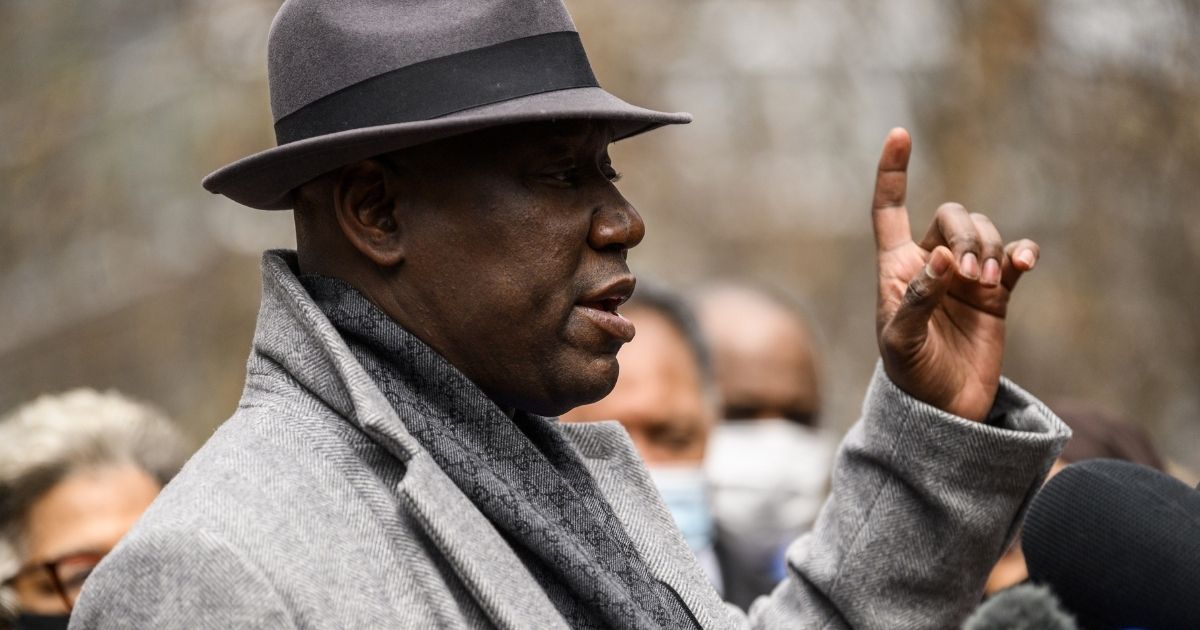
<point x="616" y="227"/>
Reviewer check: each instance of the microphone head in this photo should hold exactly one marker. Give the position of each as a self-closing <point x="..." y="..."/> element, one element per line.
<point x="1022" y="607"/>
<point x="1119" y="544"/>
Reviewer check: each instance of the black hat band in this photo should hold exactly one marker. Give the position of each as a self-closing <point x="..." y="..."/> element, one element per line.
<point x="444" y="85"/>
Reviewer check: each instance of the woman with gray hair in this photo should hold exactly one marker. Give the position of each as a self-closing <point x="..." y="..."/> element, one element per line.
<point x="76" y="471"/>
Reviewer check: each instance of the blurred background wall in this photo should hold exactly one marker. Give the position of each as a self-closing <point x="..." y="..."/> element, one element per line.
<point x="1074" y="122"/>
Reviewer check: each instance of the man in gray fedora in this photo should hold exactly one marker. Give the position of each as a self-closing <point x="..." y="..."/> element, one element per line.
<point x="395" y="460"/>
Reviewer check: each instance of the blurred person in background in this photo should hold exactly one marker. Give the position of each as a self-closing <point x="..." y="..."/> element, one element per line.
<point x="1097" y="433"/>
<point x="667" y="401"/>
<point x="76" y="471"/>
<point x="768" y="464"/>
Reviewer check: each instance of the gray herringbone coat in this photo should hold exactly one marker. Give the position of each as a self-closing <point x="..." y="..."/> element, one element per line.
<point x="312" y="507"/>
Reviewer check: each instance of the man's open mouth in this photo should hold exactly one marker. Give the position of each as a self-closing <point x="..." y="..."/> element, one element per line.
<point x="601" y="306"/>
<point x="608" y="305"/>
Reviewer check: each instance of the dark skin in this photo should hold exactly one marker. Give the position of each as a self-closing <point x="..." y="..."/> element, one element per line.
<point x="942" y="302"/>
<point x="504" y="250"/>
<point x="489" y="247"/>
<point x="661" y="398"/>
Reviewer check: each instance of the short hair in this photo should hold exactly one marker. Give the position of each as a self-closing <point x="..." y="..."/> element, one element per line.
<point x="655" y="297"/>
<point x="48" y="439"/>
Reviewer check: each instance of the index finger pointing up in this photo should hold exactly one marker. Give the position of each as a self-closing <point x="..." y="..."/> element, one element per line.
<point x="888" y="213"/>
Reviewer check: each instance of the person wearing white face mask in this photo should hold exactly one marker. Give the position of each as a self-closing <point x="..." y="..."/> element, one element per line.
<point x="766" y="368"/>
<point x="666" y="399"/>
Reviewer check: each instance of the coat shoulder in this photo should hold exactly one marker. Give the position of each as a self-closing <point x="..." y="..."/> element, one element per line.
<point x="223" y="589"/>
<point x="284" y="505"/>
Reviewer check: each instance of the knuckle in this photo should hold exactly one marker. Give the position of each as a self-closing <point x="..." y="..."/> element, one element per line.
<point x="917" y="293"/>
<point x="993" y="247"/>
<point x="964" y="242"/>
<point x="988" y="231"/>
<point x="983" y="223"/>
<point x="950" y="208"/>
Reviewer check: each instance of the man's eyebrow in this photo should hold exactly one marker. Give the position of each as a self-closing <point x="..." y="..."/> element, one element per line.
<point x="560" y="150"/>
<point x="570" y="137"/>
<point x="558" y="147"/>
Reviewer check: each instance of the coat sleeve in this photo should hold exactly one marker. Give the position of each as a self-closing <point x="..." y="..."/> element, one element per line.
<point x="177" y="579"/>
<point x="921" y="505"/>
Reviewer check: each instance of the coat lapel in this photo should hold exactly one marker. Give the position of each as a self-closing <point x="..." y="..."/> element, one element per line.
<point x="483" y="561"/>
<point x="489" y="568"/>
<point x="622" y="477"/>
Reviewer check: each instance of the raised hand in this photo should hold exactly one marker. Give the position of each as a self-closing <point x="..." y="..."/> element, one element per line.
<point x="942" y="302"/>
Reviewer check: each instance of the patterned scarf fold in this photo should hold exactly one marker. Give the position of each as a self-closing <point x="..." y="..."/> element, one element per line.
<point x="520" y="472"/>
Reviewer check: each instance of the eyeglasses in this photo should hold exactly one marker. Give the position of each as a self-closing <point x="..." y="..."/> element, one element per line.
<point x="64" y="576"/>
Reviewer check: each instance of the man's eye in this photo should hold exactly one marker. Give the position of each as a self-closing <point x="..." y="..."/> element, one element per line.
<point x="573" y="176"/>
<point x="565" y="177"/>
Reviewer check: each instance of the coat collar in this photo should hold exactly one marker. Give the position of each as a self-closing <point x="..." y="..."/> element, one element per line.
<point x="293" y="333"/>
<point x="623" y="479"/>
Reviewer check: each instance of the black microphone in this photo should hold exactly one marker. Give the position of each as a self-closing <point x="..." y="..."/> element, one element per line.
<point x="1119" y="544"/>
<point x="1023" y="607"/>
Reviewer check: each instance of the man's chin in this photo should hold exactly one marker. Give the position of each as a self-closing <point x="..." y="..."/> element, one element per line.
<point x="579" y="386"/>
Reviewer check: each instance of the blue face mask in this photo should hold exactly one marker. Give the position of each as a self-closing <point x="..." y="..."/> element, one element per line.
<point x="685" y="492"/>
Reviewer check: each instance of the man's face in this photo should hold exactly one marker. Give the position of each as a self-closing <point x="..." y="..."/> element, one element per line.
<point x="660" y="398"/>
<point x="515" y="247"/>
<point x="763" y="356"/>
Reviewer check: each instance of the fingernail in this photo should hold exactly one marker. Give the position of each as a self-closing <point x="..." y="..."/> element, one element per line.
<point x="938" y="264"/>
<point x="969" y="266"/>
<point x="991" y="273"/>
<point x="1027" y="258"/>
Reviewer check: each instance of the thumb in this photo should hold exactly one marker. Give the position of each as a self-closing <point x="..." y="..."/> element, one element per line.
<point x="909" y="326"/>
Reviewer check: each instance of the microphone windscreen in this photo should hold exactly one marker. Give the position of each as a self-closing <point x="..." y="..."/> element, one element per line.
<point x="1119" y="544"/>
<point x="1023" y="607"/>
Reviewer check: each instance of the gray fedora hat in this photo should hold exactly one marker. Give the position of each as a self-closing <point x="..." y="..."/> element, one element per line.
<point x="351" y="79"/>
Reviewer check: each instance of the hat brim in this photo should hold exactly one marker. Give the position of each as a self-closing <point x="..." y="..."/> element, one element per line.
<point x="265" y="180"/>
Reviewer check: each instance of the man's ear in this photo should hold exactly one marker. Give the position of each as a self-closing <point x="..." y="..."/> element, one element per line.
<point x="367" y="205"/>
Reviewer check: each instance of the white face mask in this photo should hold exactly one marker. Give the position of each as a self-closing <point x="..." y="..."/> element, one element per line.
<point x="767" y="481"/>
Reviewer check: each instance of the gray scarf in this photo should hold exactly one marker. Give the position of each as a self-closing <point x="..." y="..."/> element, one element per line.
<point x="520" y="472"/>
